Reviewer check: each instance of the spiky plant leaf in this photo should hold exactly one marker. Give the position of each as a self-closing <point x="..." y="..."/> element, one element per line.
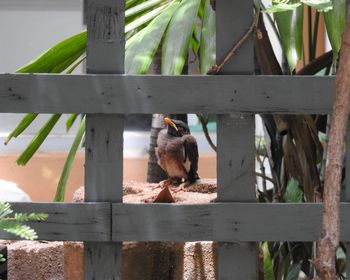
<point x="268" y="263"/>
<point x="61" y="188"/>
<point x="319" y="5"/>
<point x="290" y="27"/>
<point x="38" y="139"/>
<point x="335" y="20"/>
<point x="207" y="49"/>
<point x="141" y="7"/>
<point x="141" y="48"/>
<point x="145" y="18"/>
<point x="24" y="123"/>
<point x="176" y="44"/>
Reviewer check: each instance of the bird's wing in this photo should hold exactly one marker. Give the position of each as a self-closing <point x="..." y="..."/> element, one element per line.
<point x="191" y="154"/>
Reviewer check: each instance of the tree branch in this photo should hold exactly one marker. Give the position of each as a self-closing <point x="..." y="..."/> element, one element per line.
<point x="327" y="246"/>
<point x="216" y="68"/>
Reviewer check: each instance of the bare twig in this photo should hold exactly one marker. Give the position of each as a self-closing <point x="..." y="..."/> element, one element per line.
<point x="216" y="68"/>
<point x="204" y="124"/>
<point x="265" y="177"/>
<point x="327" y="246"/>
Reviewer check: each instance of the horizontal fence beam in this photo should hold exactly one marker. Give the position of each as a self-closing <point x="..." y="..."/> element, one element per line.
<point x="231" y="222"/>
<point x="68" y="221"/>
<point x="124" y="94"/>
<point x="228" y="222"/>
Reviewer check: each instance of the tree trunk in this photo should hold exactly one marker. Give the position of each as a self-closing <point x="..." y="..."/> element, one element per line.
<point x="155" y="173"/>
<point x="327" y="246"/>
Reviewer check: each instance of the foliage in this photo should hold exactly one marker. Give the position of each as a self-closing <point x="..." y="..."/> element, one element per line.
<point x="294" y="152"/>
<point x="148" y="23"/>
<point x="13" y="222"/>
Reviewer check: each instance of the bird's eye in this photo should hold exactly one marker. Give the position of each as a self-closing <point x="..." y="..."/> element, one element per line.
<point x="180" y="128"/>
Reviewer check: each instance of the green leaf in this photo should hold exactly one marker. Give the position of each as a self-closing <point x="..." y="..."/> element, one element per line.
<point x="294" y="271"/>
<point x="207" y="57"/>
<point x="141" y="7"/>
<point x="319" y="5"/>
<point x="61" y="188"/>
<point x="130" y="3"/>
<point x="145" y="18"/>
<point x="176" y="44"/>
<point x="76" y="64"/>
<point x="268" y="265"/>
<point x="293" y="192"/>
<point x="37" y="140"/>
<point x="18" y="229"/>
<point x="335" y="24"/>
<point x="142" y="47"/>
<point x="5" y="209"/>
<point x="281" y="7"/>
<point x="24" y="123"/>
<point x="70" y="121"/>
<point x="290" y="27"/>
<point x="24" y="217"/>
<point x="56" y="59"/>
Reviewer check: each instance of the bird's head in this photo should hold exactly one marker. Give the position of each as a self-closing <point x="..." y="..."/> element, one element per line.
<point x="176" y="128"/>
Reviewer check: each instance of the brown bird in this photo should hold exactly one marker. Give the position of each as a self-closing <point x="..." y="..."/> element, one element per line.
<point x="177" y="153"/>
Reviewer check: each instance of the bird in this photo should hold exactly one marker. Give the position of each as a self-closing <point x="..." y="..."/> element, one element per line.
<point x="177" y="153"/>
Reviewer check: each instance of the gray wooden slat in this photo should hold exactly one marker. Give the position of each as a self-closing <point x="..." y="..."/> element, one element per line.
<point x="96" y="263"/>
<point x="233" y="19"/>
<point x="173" y="222"/>
<point x="104" y="133"/>
<point x="104" y="157"/>
<point x="105" y="36"/>
<point x="235" y="138"/>
<point x="236" y="158"/>
<point x="145" y="94"/>
<point x="247" y="269"/>
<point x="232" y="222"/>
<point x="68" y="221"/>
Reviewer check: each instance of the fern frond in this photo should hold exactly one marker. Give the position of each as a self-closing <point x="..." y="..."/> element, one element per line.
<point x="5" y="209"/>
<point x="18" y="229"/>
<point x="23" y="217"/>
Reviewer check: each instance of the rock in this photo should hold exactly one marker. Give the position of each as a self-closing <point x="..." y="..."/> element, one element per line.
<point x="203" y="191"/>
<point x="33" y="260"/>
<point x="141" y="260"/>
<point x="153" y="260"/>
<point x="159" y="260"/>
<point x="73" y="260"/>
<point x="10" y="191"/>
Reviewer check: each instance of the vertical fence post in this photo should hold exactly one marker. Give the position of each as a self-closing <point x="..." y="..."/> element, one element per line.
<point x="104" y="133"/>
<point x="236" y="138"/>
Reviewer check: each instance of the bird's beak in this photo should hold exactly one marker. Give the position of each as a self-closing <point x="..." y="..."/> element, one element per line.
<point x="170" y="122"/>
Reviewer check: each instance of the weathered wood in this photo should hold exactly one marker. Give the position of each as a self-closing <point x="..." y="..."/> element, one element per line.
<point x="235" y="137"/>
<point x="145" y="94"/>
<point x="104" y="133"/>
<point x="175" y="222"/>
<point x="104" y="158"/>
<point x="236" y="158"/>
<point x="105" y="36"/>
<point x="68" y="221"/>
<point x="233" y="222"/>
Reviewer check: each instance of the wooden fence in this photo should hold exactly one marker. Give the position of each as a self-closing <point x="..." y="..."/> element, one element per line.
<point x="236" y="221"/>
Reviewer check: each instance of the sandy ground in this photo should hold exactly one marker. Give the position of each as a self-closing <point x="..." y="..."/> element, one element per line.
<point x="41" y="175"/>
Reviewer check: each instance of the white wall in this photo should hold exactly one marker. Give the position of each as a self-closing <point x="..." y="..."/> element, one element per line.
<point x="27" y="29"/>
